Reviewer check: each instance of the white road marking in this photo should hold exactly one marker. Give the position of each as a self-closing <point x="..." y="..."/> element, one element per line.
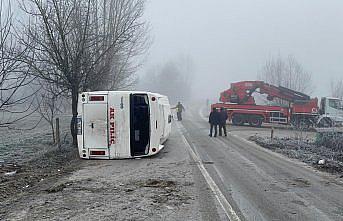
<point x="201" y="114"/>
<point x="229" y="211"/>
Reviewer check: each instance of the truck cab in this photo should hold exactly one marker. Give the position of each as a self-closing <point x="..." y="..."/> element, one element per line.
<point x="331" y="110"/>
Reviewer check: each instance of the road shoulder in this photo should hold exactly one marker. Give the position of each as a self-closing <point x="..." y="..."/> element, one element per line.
<point x="167" y="186"/>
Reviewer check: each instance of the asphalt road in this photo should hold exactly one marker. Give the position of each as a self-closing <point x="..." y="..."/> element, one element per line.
<point x="260" y="184"/>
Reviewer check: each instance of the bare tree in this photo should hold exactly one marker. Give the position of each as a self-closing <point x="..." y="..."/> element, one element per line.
<point x="337" y="89"/>
<point x="49" y="103"/>
<point x="172" y="79"/>
<point x="287" y="73"/>
<point x="15" y="96"/>
<point x="118" y="66"/>
<point x="76" y="44"/>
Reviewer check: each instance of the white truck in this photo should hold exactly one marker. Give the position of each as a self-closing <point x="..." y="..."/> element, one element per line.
<point x="331" y="112"/>
<point x="122" y="124"/>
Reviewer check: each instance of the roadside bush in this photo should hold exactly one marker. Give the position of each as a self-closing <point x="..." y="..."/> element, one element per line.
<point x="332" y="140"/>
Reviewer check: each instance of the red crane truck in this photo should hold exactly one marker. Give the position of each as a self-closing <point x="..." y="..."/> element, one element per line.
<point x="290" y="107"/>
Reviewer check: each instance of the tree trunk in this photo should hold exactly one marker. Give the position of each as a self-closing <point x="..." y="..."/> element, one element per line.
<point x="73" y="123"/>
<point x="58" y="137"/>
<point x="53" y="131"/>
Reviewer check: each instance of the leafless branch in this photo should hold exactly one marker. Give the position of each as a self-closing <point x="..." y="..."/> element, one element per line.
<point x="15" y="95"/>
<point x="287" y="72"/>
<point x="337" y="89"/>
<point x="82" y="45"/>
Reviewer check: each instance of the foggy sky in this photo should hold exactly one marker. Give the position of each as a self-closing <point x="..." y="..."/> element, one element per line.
<point x="230" y="40"/>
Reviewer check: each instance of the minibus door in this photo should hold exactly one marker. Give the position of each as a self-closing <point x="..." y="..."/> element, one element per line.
<point x="95" y="128"/>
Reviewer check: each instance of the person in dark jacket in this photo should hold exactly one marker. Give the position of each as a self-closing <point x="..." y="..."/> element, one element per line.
<point x="179" y="108"/>
<point x="222" y="121"/>
<point x="214" y="121"/>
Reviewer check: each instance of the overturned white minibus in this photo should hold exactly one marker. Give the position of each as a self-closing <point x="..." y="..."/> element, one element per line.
<point x="122" y="124"/>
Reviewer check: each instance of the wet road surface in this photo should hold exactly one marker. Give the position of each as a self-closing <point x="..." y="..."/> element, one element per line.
<point x="260" y="184"/>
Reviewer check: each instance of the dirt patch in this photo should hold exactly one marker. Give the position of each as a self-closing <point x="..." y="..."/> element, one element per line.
<point x="300" y="182"/>
<point x="166" y="192"/>
<point x="298" y="202"/>
<point x="326" y="158"/>
<point x="58" y="187"/>
<point x="158" y="183"/>
<point x="117" y="198"/>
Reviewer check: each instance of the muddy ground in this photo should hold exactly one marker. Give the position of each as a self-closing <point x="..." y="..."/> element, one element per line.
<point x="28" y="158"/>
<point x="17" y="180"/>
<point x="60" y="186"/>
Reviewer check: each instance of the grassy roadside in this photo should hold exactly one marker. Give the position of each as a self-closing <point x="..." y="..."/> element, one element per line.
<point x="325" y="158"/>
<point x="50" y="165"/>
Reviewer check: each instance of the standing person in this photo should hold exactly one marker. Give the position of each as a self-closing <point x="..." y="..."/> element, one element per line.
<point x="222" y="121"/>
<point x="214" y="121"/>
<point x="179" y="108"/>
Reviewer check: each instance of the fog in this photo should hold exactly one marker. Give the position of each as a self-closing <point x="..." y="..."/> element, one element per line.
<point x="231" y="40"/>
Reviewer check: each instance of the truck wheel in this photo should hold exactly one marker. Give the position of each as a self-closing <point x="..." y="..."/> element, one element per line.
<point x="304" y="124"/>
<point x="237" y="120"/>
<point x="301" y="123"/>
<point x="325" y="122"/>
<point x="255" y="121"/>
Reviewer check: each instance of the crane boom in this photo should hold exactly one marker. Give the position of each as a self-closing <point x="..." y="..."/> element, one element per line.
<point x="241" y="93"/>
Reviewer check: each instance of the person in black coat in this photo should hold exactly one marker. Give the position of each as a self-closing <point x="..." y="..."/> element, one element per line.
<point x="214" y="121"/>
<point x="179" y="108"/>
<point x="222" y="121"/>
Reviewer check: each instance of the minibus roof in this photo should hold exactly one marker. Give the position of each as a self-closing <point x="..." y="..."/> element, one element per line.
<point x="126" y="92"/>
